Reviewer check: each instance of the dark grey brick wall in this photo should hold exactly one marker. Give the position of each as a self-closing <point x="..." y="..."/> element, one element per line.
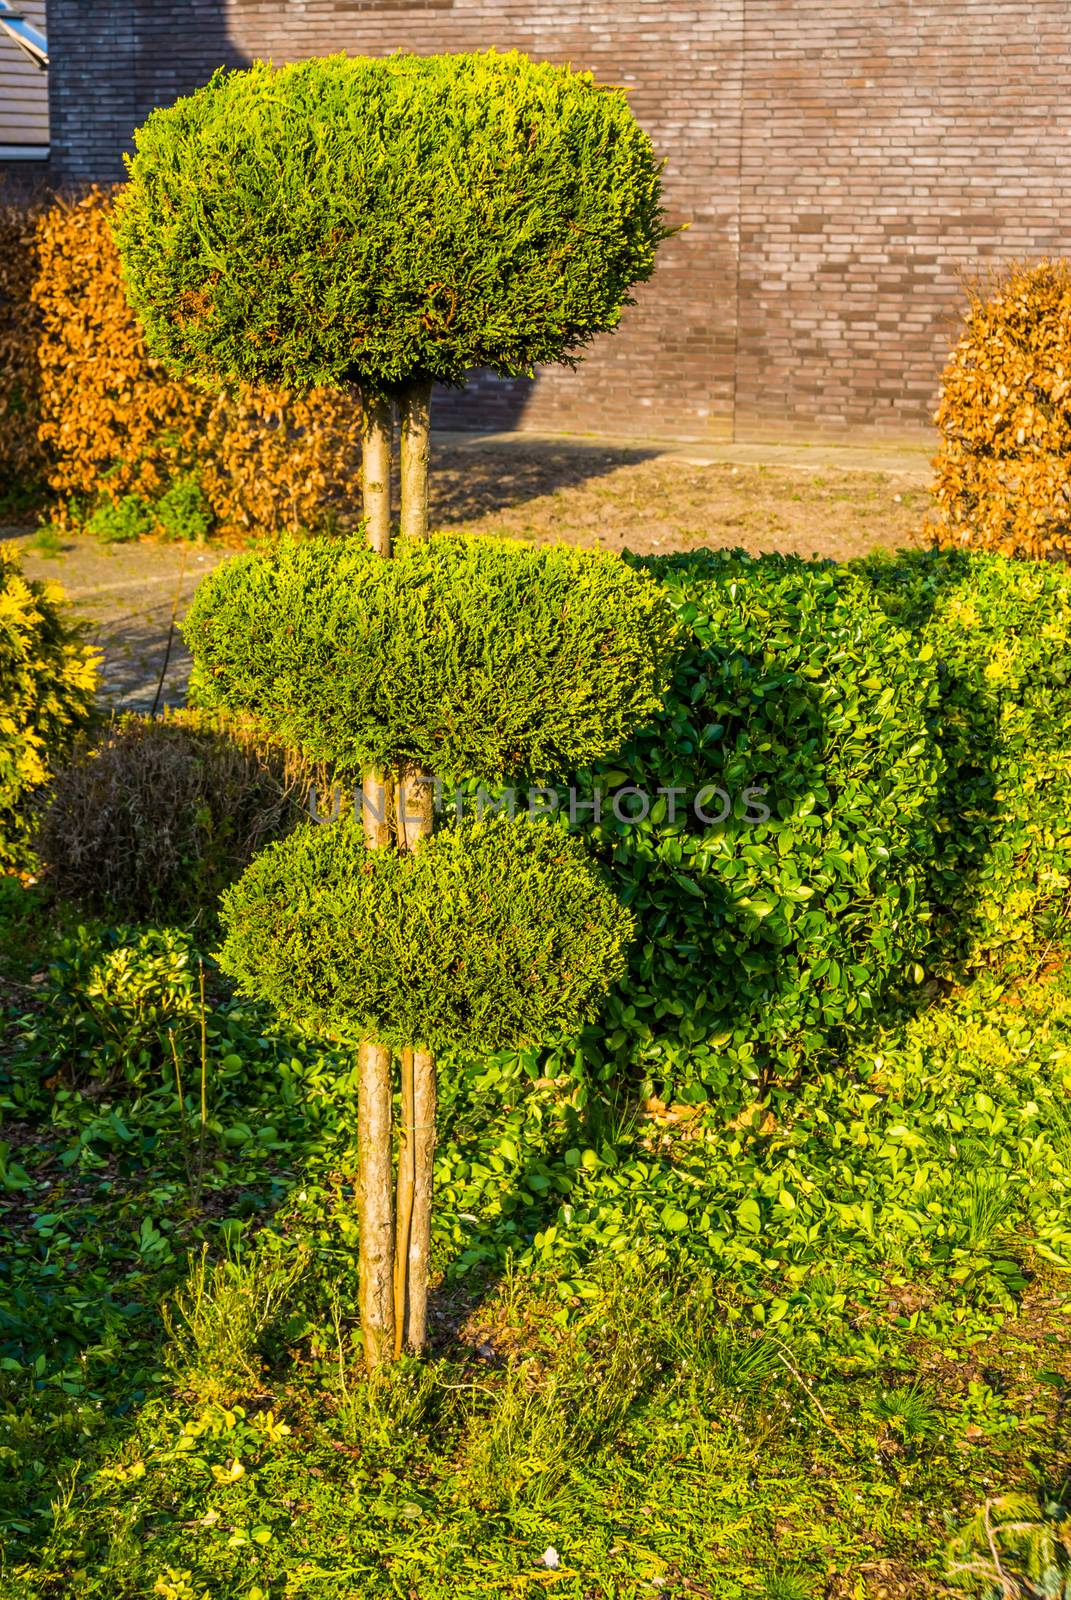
<point x="835" y="166"/>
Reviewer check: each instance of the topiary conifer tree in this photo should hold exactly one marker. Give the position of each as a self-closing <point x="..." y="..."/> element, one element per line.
<point x="389" y="224"/>
<point x="475" y="659"/>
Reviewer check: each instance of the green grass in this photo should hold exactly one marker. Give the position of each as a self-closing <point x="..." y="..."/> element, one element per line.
<point x="783" y="1359"/>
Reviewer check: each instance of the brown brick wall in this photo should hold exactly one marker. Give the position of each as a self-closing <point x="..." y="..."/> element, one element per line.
<point x="888" y="149"/>
<point x="838" y="165"/>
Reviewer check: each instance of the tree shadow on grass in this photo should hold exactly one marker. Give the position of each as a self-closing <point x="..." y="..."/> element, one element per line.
<point x="478" y="477"/>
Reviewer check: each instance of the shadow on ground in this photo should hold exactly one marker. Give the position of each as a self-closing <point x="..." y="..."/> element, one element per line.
<point x="477" y="477"/>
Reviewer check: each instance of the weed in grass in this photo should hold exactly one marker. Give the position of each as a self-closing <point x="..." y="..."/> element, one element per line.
<point x="910" y="1412"/>
<point x="788" y="1586"/>
<point x="985" y="1203"/>
<point x="48" y="540"/>
<point x="642" y="1421"/>
<point x="219" y="1322"/>
<point x="396" y="1402"/>
<point x="544" y="1422"/>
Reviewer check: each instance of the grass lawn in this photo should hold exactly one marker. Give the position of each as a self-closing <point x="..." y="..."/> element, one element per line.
<point x="855" y="1337"/>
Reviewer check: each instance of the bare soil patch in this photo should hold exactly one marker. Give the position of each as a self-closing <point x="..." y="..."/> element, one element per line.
<point x="646" y="499"/>
<point x="653" y="503"/>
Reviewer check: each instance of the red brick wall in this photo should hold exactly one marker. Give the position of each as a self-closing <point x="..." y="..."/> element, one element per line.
<point x="837" y="165"/>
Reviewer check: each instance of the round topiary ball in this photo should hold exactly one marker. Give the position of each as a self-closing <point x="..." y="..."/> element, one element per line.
<point x="378" y="221"/>
<point x="469" y="657"/>
<point x="496" y="934"/>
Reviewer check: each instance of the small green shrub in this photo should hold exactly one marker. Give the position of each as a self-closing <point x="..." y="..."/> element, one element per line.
<point x="378" y="219"/>
<point x="114" y="1001"/>
<point x="158" y="816"/>
<point x="497" y="933"/>
<point x="999" y="633"/>
<point x="48" y="677"/>
<point x="183" y="512"/>
<point x="463" y="655"/>
<point x="121" y="521"/>
<point x="221" y="1319"/>
<point x="48" y="540"/>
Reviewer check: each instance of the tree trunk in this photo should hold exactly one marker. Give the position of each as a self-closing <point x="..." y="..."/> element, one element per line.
<point x="415" y="822"/>
<point x="403" y="1211"/>
<point x="377" y="427"/>
<point x="415" y="811"/>
<point x="424" y="1092"/>
<point x="374" y="1155"/>
<point x="374" y="1097"/>
<point x="415" y="409"/>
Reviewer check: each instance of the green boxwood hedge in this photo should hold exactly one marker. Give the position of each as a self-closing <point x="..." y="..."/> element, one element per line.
<point x="762" y="943"/>
<point x="910" y="721"/>
<point x="999" y="633"/>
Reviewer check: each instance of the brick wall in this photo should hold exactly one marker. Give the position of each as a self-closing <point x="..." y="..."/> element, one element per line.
<point x="887" y="150"/>
<point x="835" y="167"/>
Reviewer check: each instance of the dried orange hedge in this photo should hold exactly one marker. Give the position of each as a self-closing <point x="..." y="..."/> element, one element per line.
<point x="22" y="456"/>
<point x="110" y="422"/>
<point x="1004" y="467"/>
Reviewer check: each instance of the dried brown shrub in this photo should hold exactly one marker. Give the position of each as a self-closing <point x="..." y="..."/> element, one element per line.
<point x="23" y="460"/>
<point x="104" y="420"/>
<point x="1004" y="467"/>
<point x="155" y="818"/>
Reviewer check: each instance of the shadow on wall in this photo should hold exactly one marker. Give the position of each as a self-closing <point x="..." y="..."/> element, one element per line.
<point x="487" y="404"/>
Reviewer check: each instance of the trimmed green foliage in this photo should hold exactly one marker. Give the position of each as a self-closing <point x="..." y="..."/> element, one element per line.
<point x="908" y="719"/>
<point x="496" y="933"/>
<point x="999" y="632"/>
<point x="379" y="220"/>
<point x="762" y="943"/>
<point x="463" y="655"/>
<point x="47" y="680"/>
